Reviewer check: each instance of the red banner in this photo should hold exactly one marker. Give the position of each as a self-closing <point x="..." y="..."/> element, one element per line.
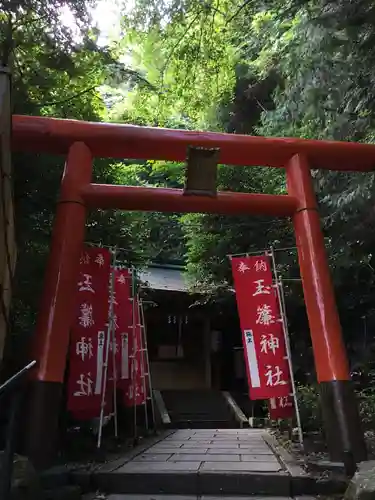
<point x="262" y="331"/>
<point x="281" y="408"/>
<point x="130" y="365"/>
<point x="88" y="335"/>
<point x="122" y="322"/>
<point x="136" y="389"/>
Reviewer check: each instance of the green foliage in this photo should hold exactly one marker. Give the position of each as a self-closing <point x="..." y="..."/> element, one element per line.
<point x="58" y="72"/>
<point x="190" y="61"/>
<point x="298" y="68"/>
<point x="311" y="415"/>
<point x="210" y="239"/>
<point x="367" y="407"/>
<point x="308" y="403"/>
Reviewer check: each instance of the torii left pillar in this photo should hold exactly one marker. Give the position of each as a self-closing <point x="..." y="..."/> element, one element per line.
<point x="51" y="340"/>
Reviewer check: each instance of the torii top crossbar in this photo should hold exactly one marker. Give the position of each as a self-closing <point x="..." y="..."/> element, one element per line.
<point x="81" y="141"/>
<point x="51" y="135"/>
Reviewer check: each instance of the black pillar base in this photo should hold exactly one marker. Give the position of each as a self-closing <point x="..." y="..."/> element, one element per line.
<point x="342" y="424"/>
<point x="41" y="428"/>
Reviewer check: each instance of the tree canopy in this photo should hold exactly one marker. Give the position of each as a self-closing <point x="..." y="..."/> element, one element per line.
<point x="299" y="68"/>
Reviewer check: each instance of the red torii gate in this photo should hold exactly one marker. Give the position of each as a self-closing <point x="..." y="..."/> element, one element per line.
<point x="81" y="141"/>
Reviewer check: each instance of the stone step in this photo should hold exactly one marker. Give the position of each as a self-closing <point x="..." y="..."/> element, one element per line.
<point x="199" y="462"/>
<point x="188" y="497"/>
<point x="221" y="462"/>
<point x="236" y="484"/>
<point x="198" y="406"/>
<point x="189" y="483"/>
<point x="203" y="424"/>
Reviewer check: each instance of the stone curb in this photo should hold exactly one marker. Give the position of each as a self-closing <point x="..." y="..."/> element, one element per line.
<point x="301" y="482"/>
<point x="290" y="464"/>
<point x="259" y="484"/>
<point x="63" y="475"/>
<point x="325" y="465"/>
<point x="193" y="483"/>
<point x="132" y="453"/>
<point x="86" y="478"/>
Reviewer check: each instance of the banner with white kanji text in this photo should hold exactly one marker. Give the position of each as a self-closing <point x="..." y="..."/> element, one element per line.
<point x="135" y="392"/>
<point x="281" y="408"/>
<point x="262" y="331"/>
<point x="89" y="336"/>
<point x="130" y="363"/>
<point x="122" y="321"/>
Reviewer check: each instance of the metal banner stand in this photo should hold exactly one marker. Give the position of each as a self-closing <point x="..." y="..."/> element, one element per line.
<point x="146" y="370"/>
<point x="134" y="353"/>
<point x="114" y="346"/>
<point x="139" y="321"/>
<point x="281" y="298"/>
<point x="110" y="341"/>
<point x="143" y="369"/>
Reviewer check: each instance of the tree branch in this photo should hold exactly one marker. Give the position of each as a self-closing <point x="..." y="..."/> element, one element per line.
<point x="245" y="4"/>
<point x="68" y="99"/>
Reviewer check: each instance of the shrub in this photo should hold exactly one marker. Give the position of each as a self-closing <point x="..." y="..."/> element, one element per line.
<point x="309" y="407"/>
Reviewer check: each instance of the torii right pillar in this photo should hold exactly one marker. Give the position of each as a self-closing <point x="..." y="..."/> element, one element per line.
<point x="342" y="424"/>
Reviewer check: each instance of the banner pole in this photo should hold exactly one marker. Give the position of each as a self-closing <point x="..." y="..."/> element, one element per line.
<point x="281" y="298"/>
<point x="114" y="346"/>
<point x="142" y="359"/>
<point x="107" y="345"/>
<point x="134" y="355"/>
<point x="143" y="322"/>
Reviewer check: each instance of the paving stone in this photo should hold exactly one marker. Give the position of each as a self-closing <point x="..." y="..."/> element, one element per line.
<point x="252" y="442"/>
<point x="233" y="437"/>
<point x="201" y="438"/>
<point x="185" y="431"/>
<point x="177" y="482"/>
<point x="206" y="462"/>
<point x="177" y="439"/>
<point x="155" y="467"/>
<point x="180" y="450"/>
<point x="238" y="436"/>
<point x="223" y="445"/>
<point x="262" y="449"/>
<point x="251" y="432"/>
<point x="256" y="451"/>
<point x="152" y="497"/>
<point x="166" y="444"/>
<point x="173" y="437"/>
<point x="224" y="440"/>
<point x="252" y="439"/>
<point x="190" y="497"/>
<point x="152" y="457"/>
<point x="203" y="457"/>
<point x="244" y="451"/>
<point x="258" y="458"/>
<point x="204" y="433"/>
<point x="244" y="483"/>
<point x="242" y="498"/>
<point x="222" y="451"/>
<point x="240" y="466"/>
<point x="238" y="432"/>
<point x="196" y="444"/>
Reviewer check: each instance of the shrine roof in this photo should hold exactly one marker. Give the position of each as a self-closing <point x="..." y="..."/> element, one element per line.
<point x="168" y="278"/>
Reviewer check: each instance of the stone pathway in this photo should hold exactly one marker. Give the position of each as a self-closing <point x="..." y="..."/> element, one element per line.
<point x="179" y="497"/>
<point x="221" y="462"/>
<point x="240" y="450"/>
<point x="204" y="464"/>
